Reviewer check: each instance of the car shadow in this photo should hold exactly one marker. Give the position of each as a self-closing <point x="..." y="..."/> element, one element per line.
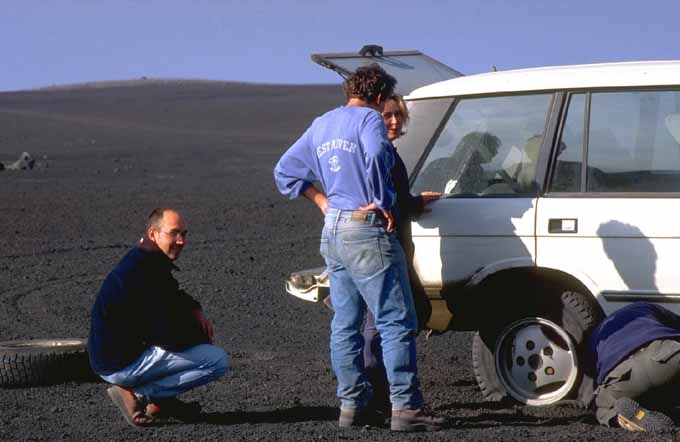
<point x="491" y="420"/>
<point x="509" y="413"/>
<point x="464" y="383"/>
<point x="505" y="404"/>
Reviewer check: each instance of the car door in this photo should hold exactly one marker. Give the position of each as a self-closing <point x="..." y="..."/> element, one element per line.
<point x="484" y="159"/>
<point x="609" y="217"/>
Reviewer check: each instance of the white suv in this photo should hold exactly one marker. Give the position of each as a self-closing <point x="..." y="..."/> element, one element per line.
<point x="561" y="189"/>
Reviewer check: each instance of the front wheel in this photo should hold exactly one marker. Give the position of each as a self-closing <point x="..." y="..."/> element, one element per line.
<point x="537" y="357"/>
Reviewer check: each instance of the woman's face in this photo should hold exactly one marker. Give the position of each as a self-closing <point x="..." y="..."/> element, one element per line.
<point x="394" y="120"/>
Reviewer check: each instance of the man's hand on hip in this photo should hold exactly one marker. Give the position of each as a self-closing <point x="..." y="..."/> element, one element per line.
<point x="386" y="213"/>
<point x="317" y="197"/>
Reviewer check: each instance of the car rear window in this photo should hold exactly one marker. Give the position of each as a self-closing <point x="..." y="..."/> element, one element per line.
<point x="630" y="140"/>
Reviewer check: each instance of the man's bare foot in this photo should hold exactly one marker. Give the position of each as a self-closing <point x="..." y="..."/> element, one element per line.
<point x="132" y="410"/>
<point x="153" y="409"/>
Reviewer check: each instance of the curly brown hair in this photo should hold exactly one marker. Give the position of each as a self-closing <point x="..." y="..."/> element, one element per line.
<point x="369" y="82"/>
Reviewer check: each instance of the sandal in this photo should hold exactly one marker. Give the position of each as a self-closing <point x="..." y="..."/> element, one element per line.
<point x="134" y="415"/>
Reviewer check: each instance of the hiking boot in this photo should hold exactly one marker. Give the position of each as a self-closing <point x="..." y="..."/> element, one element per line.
<point x="360" y="417"/>
<point x="633" y="417"/>
<point x="421" y="419"/>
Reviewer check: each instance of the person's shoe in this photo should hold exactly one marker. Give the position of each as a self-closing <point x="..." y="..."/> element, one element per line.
<point x="130" y="407"/>
<point x="360" y="418"/>
<point x="633" y="417"/>
<point x="421" y="419"/>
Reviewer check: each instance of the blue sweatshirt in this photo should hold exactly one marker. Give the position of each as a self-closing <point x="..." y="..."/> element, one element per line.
<point x="627" y="330"/>
<point x="346" y="149"/>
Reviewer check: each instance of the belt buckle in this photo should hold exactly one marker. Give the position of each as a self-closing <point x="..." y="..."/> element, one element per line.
<point x="359" y="215"/>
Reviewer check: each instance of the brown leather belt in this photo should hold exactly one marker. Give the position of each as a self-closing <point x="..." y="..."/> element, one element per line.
<point x="362" y="215"/>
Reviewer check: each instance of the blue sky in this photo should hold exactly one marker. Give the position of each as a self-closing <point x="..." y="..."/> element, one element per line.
<point x="51" y="42"/>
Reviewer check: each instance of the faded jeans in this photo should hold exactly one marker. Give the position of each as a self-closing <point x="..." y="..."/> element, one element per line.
<point x="159" y="374"/>
<point x="367" y="269"/>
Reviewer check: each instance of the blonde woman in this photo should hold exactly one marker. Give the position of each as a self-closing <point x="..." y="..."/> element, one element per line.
<point x="407" y="207"/>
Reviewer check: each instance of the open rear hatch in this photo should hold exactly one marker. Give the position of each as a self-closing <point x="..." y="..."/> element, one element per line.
<point x="412" y="69"/>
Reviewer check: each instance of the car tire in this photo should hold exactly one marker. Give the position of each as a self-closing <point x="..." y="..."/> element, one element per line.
<point x="43" y="362"/>
<point x="538" y="357"/>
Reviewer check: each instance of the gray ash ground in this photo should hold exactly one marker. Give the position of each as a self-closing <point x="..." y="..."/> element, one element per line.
<point x="105" y="157"/>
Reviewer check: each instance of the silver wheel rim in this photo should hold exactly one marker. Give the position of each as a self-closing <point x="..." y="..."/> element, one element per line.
<point x="536" y="361"/>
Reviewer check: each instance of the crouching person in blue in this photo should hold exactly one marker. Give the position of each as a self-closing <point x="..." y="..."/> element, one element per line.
<point x="637" y="357"/>
<point x="148" y="337"/>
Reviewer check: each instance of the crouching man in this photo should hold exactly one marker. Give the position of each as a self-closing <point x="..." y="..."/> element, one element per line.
<point x="637" y="356"/>
<point x="147" y="337"/>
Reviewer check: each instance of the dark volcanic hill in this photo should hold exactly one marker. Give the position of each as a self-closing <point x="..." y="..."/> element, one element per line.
<point x="194" y="144"/>
<point x="106" y="155"/>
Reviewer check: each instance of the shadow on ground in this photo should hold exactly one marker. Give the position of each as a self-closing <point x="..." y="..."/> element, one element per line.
<point x="288" y="415"/>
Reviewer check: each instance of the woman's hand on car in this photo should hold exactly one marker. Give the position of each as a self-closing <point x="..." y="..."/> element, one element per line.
<point x="429" y="196"/>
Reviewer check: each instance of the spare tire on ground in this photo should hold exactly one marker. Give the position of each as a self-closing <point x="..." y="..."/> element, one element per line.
<point x="43" y="362"/>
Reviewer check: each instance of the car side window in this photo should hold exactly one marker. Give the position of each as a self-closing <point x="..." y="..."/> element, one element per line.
<point x="567" y="174"/>
<point x="488" y="146"/>
<point x="634" y="142"/>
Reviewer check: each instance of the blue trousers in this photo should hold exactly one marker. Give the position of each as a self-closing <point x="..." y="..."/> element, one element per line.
<point x="159" y="374"/>
<point x="367" y="270"/>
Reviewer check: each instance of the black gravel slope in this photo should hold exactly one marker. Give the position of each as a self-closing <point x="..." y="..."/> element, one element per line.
<point x="106" y="156"/>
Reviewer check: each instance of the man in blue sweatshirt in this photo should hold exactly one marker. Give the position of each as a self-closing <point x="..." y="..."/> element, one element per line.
<point x="148" y="337"/>
<point x="347" y="151"/>
<point x="637" y="359"/>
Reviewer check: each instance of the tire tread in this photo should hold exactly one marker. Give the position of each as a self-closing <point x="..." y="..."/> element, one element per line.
<point x="40" y="367"/>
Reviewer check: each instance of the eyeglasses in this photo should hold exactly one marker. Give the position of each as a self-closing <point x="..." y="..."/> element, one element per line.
<point x="176" y="234"/>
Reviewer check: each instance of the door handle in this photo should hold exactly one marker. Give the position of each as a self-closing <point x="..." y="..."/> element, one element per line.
<point x="563" y="225"/>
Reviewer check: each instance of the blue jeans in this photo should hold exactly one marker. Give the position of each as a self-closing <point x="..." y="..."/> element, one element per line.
<point x="159" y="374"/>
<point x="375" y="366"/>
<point x="367" y="269"/>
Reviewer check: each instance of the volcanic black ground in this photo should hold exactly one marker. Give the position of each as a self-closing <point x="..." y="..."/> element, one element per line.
<point x="106" y="155"/>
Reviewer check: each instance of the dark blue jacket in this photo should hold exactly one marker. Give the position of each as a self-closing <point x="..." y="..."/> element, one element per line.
<point x="628" y="329"/>
<point x="407" y="206"/>
<point x="140" y="305"/>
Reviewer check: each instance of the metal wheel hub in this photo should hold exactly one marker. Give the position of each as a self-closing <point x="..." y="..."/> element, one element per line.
<point x="536" y="361"/>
